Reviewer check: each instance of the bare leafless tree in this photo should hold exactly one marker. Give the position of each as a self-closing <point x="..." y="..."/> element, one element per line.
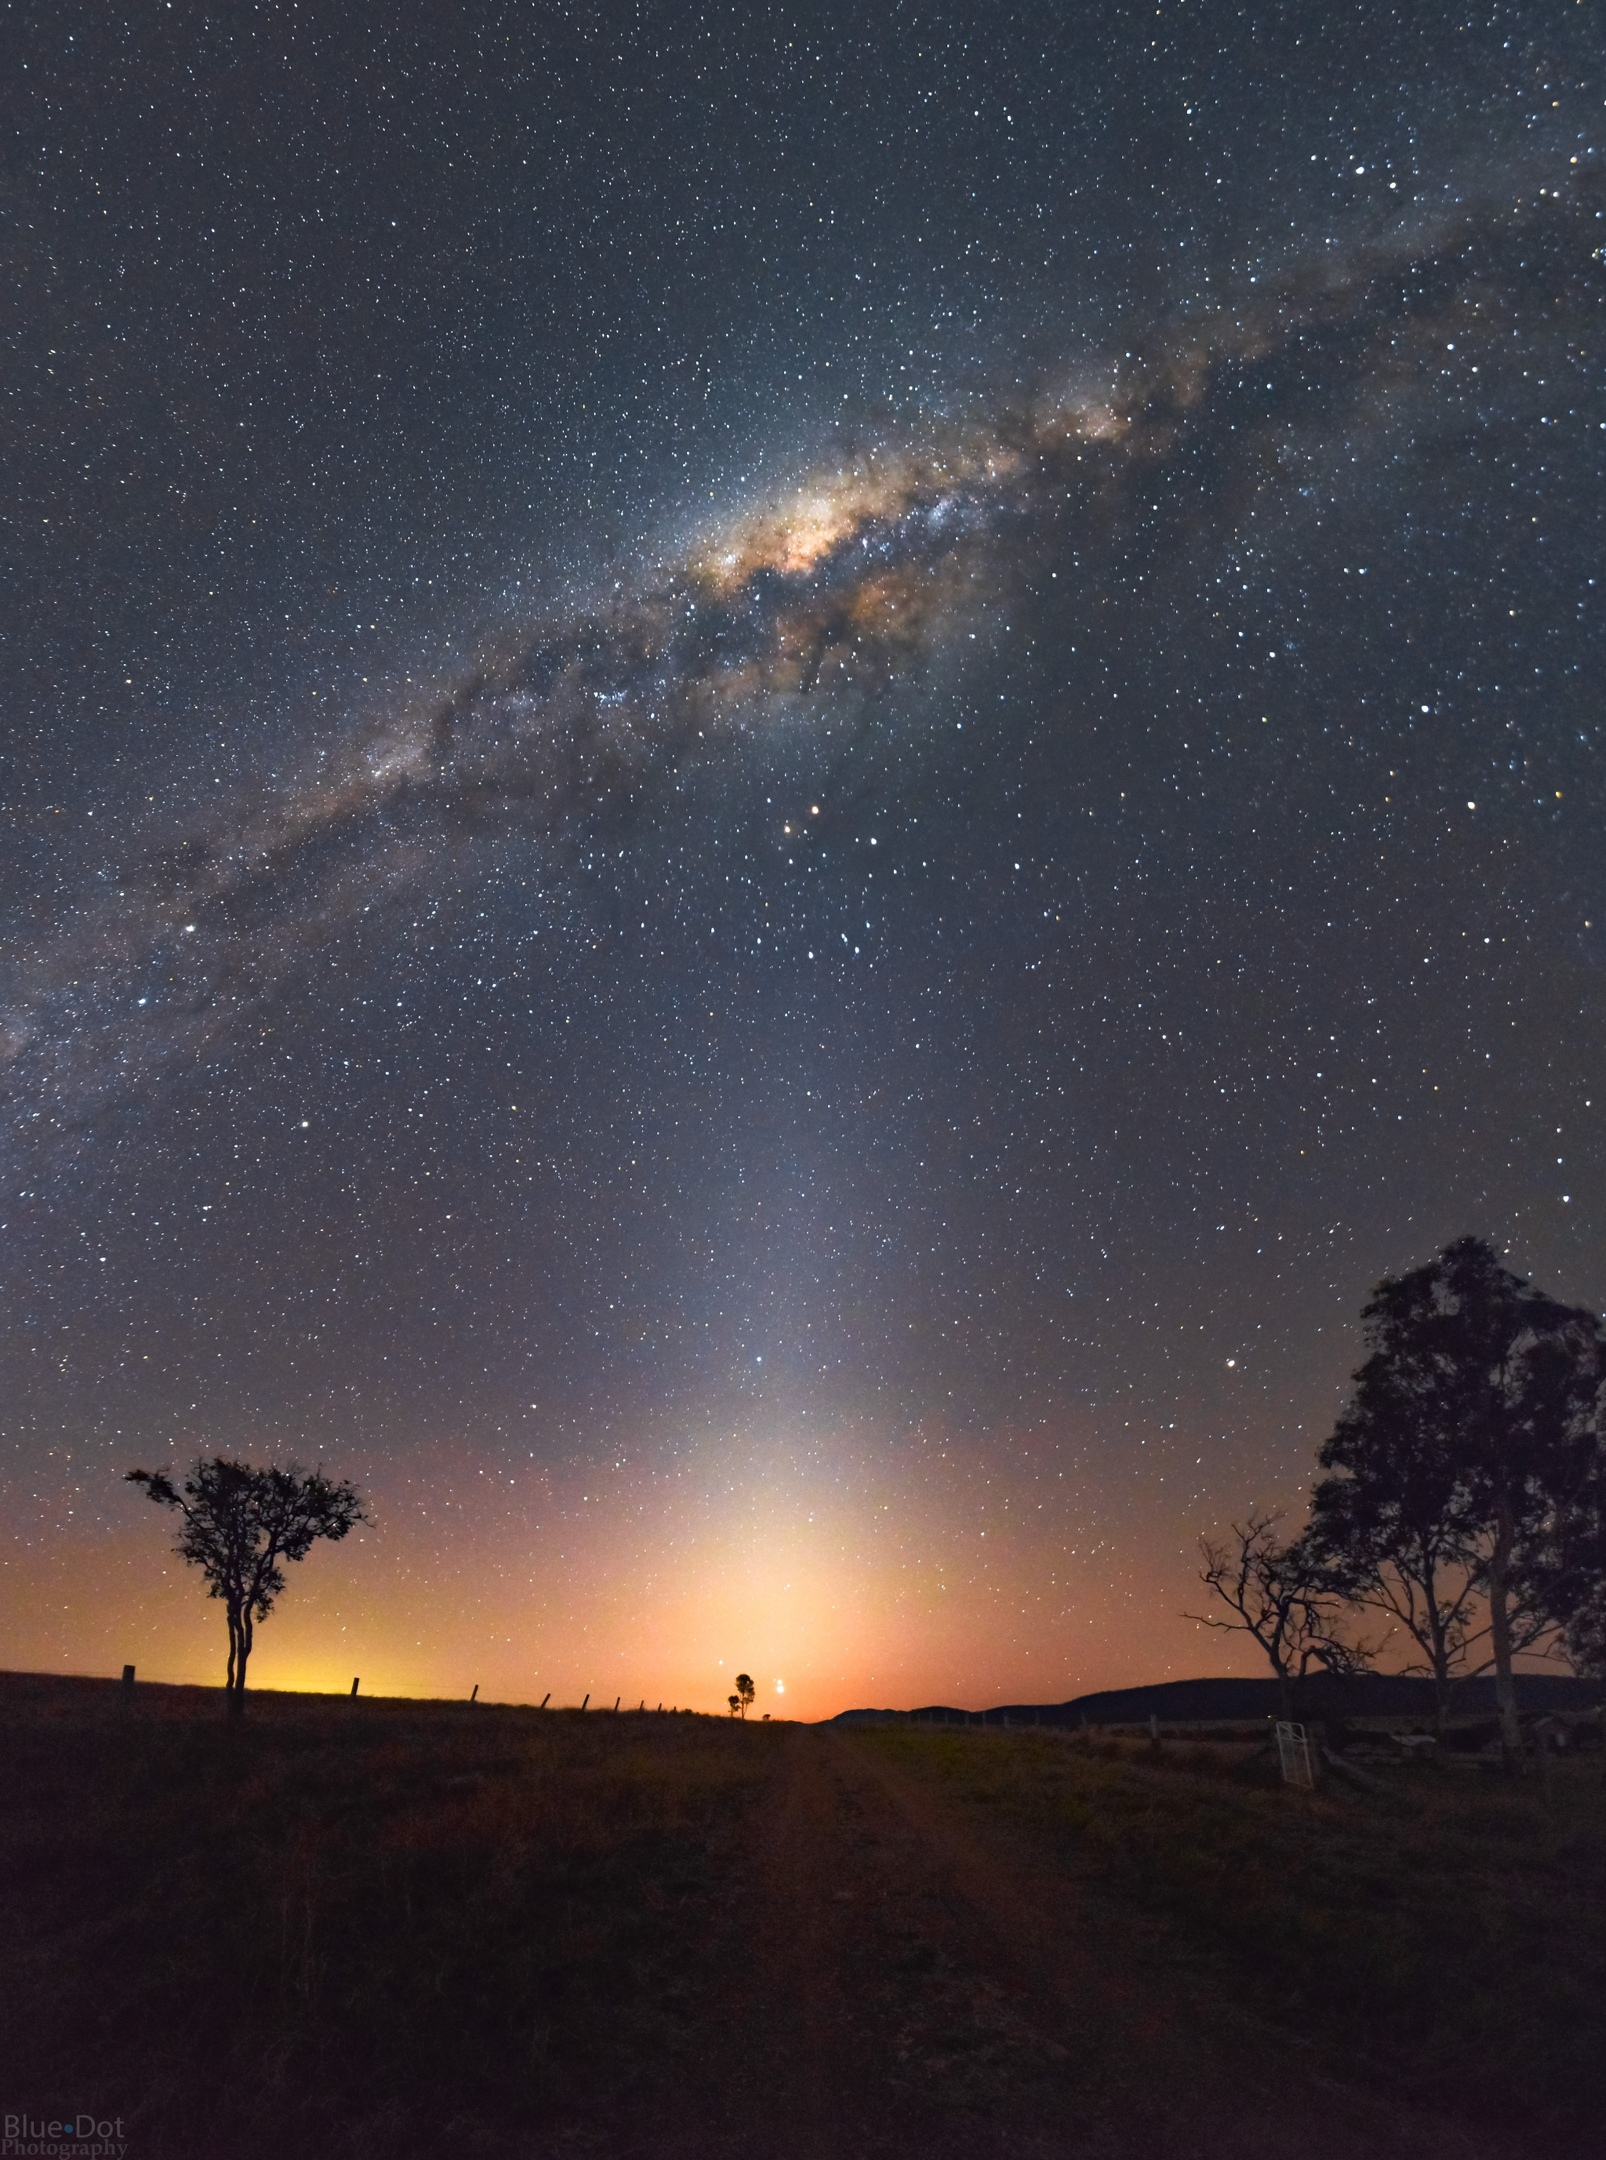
<point x="1283" y="1596"/>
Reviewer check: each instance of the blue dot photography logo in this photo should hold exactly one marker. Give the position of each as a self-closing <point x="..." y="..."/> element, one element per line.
<point x="84" y="2136"/>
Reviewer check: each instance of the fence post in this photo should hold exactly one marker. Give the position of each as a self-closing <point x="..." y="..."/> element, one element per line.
<point x="128" y="1679"/>
<point x="476" y="1694"/>
<point x="588" y="1698"/>
<point x="546" y="1698"/>
<point x="357" y="1683"/>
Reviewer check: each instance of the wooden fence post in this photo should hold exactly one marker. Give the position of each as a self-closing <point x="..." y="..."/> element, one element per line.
<point x="128" y="1679"/>
<point x="354" y="1687"/>
<point x="476" y="1694"/>
<point x="588" y="1698"/>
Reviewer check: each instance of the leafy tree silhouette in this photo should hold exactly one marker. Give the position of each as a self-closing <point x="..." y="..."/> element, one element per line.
<point x="1469" y="1462"/>
<point x="744" y="1692"/>
<point x="239" y="1525"/>
<point x="735" y="1702"/>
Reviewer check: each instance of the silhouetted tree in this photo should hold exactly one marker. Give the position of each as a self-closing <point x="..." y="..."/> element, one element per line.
<point x="1282" y="1595"/>
<point x="1563" y="1570"/>
<point x="744" y="1692"/>
<point x="1584" y="1635"/>
<point x="1466" y="1451"/>
<point x="735" y="1702"/>
<point x="1396" y="1525"/>
<point x="239" y="1525"/>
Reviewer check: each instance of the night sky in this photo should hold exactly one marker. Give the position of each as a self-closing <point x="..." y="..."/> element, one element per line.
<point x="778" y="784"/>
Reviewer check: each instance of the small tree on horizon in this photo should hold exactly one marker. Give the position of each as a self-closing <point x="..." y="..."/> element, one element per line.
<point x="239" y="1525"/>
<point x="1283" y="1596"/>
<point x="735" y="1702"/>
<point x="744" y="1692"/>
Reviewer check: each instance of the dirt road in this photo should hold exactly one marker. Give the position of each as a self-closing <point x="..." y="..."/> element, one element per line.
<point x="414" y="1930"/>
<point x="893" y="1977"/>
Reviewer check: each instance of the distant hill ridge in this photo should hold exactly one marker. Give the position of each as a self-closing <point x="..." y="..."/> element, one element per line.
<point x="1194" y="1702"/>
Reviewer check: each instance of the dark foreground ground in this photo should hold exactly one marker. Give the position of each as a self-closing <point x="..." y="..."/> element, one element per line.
<point x="421" y="1929"/>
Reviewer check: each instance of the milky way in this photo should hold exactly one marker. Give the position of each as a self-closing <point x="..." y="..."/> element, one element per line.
<point x="882" y="556"/>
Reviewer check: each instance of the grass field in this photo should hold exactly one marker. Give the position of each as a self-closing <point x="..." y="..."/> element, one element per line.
<point x="1445" y="1936"/>
<point x="374" y="1927"/>
<point x="404" y="1928"/>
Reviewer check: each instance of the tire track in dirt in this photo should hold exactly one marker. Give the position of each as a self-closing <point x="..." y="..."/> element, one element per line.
<point x="1170" y="2066"/>
<point x="891" y="1978"/>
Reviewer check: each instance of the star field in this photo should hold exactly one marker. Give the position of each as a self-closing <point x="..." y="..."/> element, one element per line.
<point x="776" y="793"/>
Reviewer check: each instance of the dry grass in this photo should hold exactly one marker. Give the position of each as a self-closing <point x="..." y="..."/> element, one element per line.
<point x="412" y="1929"/>
<point x="1445" y="1938"/>
<point x="351" y="1929"/>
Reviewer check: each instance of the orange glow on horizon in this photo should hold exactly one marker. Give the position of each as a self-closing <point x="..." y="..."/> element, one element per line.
<point x="866" y="1569"/>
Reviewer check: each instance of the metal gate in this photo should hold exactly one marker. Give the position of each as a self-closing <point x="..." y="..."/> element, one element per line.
<point x="1294" y="1756"/>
